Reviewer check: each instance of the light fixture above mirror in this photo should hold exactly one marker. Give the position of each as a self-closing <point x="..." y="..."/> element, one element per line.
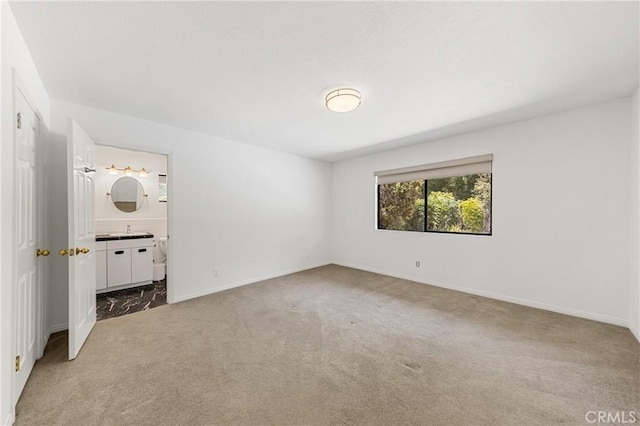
<point x="113" y="170"/>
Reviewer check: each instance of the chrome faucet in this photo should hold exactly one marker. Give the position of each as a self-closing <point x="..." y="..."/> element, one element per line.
<point x="128" y="229"/>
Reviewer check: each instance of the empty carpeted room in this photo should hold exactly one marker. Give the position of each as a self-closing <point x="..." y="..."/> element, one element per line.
<point x="314" y="213"/>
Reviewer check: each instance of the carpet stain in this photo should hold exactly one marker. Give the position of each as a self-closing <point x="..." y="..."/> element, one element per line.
<point x="412" y="366"/>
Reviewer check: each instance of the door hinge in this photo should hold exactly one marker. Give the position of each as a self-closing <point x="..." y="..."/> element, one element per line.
<point x="17" y="362"/>
<point x="19" y="120"/>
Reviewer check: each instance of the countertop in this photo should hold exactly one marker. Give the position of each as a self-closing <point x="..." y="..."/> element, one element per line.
<point x="123" y="236"/>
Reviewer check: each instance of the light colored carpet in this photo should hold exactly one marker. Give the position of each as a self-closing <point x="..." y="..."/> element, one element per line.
<point x="335" y="345"/>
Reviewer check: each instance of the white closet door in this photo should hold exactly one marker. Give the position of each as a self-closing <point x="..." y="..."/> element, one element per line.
<point x="26" y="219"/>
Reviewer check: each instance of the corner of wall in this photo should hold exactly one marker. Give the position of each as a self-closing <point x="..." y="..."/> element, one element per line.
<point x="9" y="420"/>
<point x="634" y="331"/>
<point x="634" y="273"/>
<point x="4" y="417"/>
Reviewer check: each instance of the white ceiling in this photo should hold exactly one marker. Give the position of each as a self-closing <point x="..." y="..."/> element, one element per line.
<point x="258" y="72"/>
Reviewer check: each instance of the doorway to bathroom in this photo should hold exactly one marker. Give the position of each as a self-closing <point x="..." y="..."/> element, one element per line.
<point x="131" y="228"/>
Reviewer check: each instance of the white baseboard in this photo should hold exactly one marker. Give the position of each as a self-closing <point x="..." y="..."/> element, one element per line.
<point x="525" y="302"/>
<point x="244" y="282"/>
<point x="58" y="327"/>
<point x="54" y="329"/>
<point x="634" y="331"/>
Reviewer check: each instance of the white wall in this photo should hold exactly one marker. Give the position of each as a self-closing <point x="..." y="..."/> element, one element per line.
<point x="634" y="231"/>
<point x="56" y="186"/>
<point x="152" y="216"/>
<point x="248" y="211"/>
<point x="5" y="321"/>
<point x="560" y="203"/>
<point x="14" y="56"/>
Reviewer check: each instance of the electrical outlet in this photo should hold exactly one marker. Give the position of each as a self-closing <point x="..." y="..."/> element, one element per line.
<point x="215" y="272"/>
<point x="417" y="263"/>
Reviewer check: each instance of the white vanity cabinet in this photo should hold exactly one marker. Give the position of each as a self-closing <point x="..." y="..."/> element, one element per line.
<point x="128" y="263"/>
<point x="101" y="265"/>
<point x="118" y="266"/>
<point x="141" y="264"/>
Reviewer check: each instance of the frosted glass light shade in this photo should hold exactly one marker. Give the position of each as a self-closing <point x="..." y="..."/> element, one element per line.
<point x="342" y="100"/>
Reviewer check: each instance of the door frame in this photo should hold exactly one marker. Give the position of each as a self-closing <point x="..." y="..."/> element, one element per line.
<point x="171" y="298"/>
<point x="40" y="143"/>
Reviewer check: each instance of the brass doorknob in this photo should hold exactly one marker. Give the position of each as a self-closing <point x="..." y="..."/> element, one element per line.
<point x="42" y="253"/>
<point x="84" y="250"/>
<point x="63" y="252"/>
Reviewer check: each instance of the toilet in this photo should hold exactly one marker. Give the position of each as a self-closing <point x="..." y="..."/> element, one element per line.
<point x="159" y="258"/>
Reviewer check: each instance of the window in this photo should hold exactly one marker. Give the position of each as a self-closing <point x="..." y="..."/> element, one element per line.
<point x="449" y="197"/>
<point x="162" y="188"/>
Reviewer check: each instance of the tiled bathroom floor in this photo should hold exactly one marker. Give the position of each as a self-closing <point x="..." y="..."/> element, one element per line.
<point x="123" y="302"/>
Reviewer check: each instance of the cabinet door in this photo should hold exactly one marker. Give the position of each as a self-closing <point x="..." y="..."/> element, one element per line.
<point x="118" y="267"/>
<point x="141" y="264"/>
<point x="101" y="270"/>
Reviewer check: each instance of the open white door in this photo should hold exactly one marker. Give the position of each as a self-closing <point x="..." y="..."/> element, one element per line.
<point x="82" y="262"/>
<point x="28" y="274"/>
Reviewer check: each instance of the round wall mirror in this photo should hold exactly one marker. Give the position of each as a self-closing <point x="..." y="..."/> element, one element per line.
<point x="127" y="194"/>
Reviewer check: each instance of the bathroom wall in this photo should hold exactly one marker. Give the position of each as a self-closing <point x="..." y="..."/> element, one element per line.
<point x="152" y="217"/>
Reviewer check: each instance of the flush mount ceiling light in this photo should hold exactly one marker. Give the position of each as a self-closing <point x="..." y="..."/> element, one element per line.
<point x="342" y="100"/>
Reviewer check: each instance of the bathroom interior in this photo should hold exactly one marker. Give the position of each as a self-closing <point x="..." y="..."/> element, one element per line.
<point x="131" y="231"/>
